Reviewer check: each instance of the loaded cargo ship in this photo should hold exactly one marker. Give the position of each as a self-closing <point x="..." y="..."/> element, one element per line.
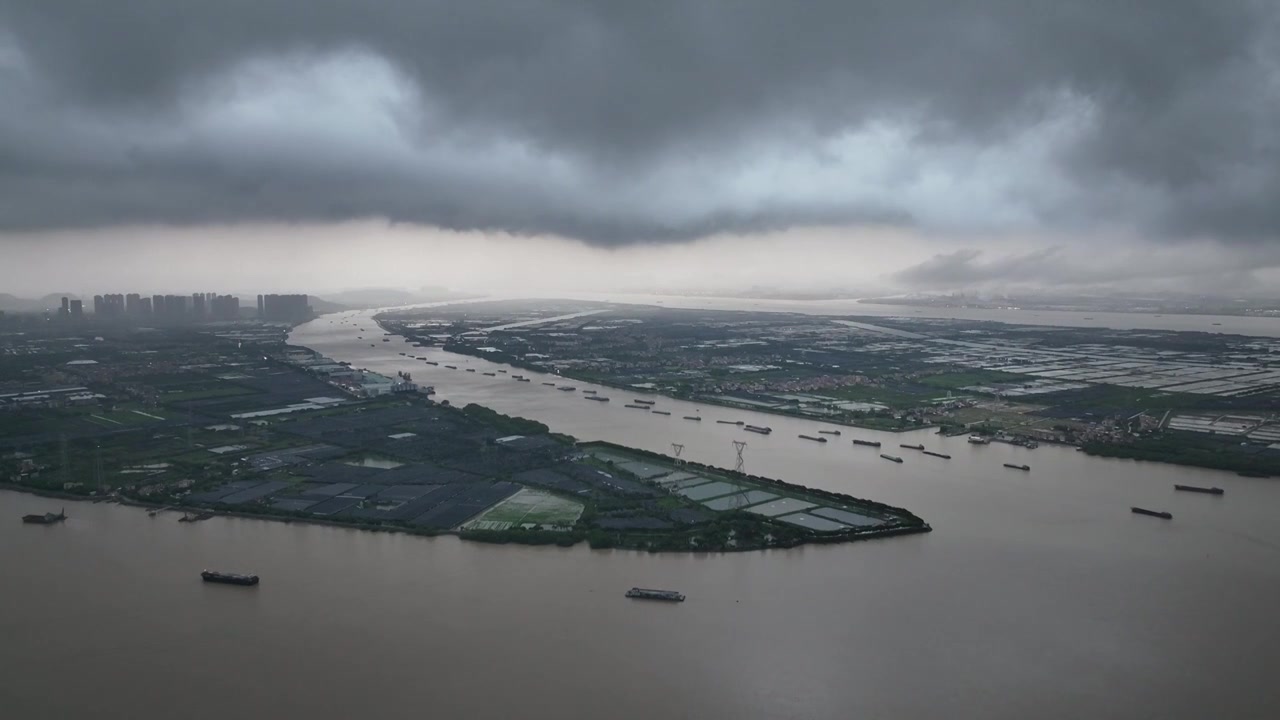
<point x="598" y="398"/>
<point x="730" y="422"/>
<point x="891" y="458"/>
<point x="648" y="594"/>
<point x="868" y="443"/>
<point x="1015" y="466"/>
<point x="910" y="447"/>
<point x="644" y="402"/>
<point x="944" y="456"/>
<point x="815" y="439"/>
<point x="1152" y="513"/>
<point x="46" y="518"/>
<point x="228" y="578"/>
<point x="828" y="432"/>
<point x="758" y="429"/>
<point x="694" y="418"/>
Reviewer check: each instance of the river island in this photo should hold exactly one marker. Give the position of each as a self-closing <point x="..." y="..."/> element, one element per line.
<point x="235" y="421"/>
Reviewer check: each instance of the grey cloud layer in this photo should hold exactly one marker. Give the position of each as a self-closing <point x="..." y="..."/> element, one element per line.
<point x="619" y="122"/>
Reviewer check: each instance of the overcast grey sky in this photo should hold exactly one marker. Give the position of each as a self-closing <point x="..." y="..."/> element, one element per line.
<point x="921" y="145"/>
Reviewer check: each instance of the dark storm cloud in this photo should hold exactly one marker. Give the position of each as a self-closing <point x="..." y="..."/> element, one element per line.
<point x="618" y="121"/>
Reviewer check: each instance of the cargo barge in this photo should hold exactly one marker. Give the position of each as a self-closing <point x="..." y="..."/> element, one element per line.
<point x="694" y="418"/>
<point x="598" y="398"/>
<point x="978" y="440"/>
<point x="661" y="412"/>
<point x="228" y="578"/>
<point x="636" y="407"/>
<point x="1152" y="513"/>
<point x="644" y="402"/>
<point x="944" y="456"/>
<point x="549" y="384"/>
<point x="815" y="439"/>
<point x="491" y="374"/>
<point x="757" y="429"/>
<point x="868" y="443"/>
<point x="911" y="447"/>
<point x="828" y="432"/>
<point x="1198" y="489"/>
<point x="648" y="594"/>
<point x="45" y="518"/>
<point x="730" y="422"/>
<point x="566" y="388"/>
<point x="1015" y="466"/>
<point x="588" y="392"/>
<point x="891" y="458"/>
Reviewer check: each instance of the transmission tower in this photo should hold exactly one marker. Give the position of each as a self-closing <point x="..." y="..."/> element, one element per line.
<point x="676" y="449"/>
<point x="739" y="446"/>
<point x="62" y="459"/>
<point x="97" y="466"/>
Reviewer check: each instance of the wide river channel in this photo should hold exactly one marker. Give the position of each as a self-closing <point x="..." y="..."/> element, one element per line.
<point x="1038" y="595"/>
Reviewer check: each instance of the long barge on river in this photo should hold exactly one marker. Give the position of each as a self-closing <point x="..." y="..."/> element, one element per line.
<point x="214" y="576"/>
<point x="1152" y="513"/>
<point x="649" y="594"/>
<point x="45" y="518"/>
<point x="1199" y="489"/>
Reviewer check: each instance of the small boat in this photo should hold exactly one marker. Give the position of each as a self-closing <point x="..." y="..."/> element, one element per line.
<point x="647" y="594"/>
<point x="978" y="440"/>
<point x="1014" y="466"/>
<point x="811" y="437"/>
<point x="868" y="443"/>
<point x="636" y="407"/>
<point x="661" y="412"/>
<point x="1199" y="489"/>
<point x="944" y="456"/>
<point x="891" y="458"/>
<point x="911" y="447"/>
<point x="45" y="518"/>
<point x="828" y="432"/>
<point x="402" y="354"/>
<point x="1152" y="513"/>
<point x="694" y="418"/>
<point x="228" y="578"/>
